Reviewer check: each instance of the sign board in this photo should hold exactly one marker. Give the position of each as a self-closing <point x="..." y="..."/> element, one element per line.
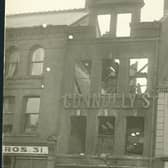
<point x="96" y="101"/>
<point x="38" y="150"/>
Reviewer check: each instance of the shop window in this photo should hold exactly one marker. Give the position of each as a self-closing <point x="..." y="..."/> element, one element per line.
<point x="123" y="25"/>
<point x="110" y="70"/>
<point x="8" y="111"/>
<point x="24" y="162"/>
<point x="82" y="76"/>
<point x="37" y="62"/>
<point x="104" y="24"/>
<point x="7" y="162"/>
<point x="30" y="162"/>
<point x="77" y="134"/>
<point x="138" y="73"/>
<point x="32" y="114"/>
<point x="105" y="134"/>
<point x="135" y="135"/>
<point x="11" y="62"/>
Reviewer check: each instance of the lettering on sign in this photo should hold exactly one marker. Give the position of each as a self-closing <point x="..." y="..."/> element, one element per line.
<point x="95" y="101"/>
<point x="41" y="150"/>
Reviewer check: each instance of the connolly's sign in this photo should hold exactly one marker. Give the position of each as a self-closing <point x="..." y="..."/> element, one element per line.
<point x="93" y="101"/>
<point x="40" y="150"/>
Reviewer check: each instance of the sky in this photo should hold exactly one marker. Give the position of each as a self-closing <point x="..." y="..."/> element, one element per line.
<point x="153" y="9"/>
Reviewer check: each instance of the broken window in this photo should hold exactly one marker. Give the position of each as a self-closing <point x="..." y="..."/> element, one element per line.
<point x="105" y="134"/>
<point x="11" y="63"/>
<point x="77" y="134"/>
<point x="104" y="24"/>
<point x="123" y="25"/>
<point x="8" y="111"/>
<point x="138" y="72"/>
<point x="82" y="76"/>
<point x="135" y="135"/>
<point x="110" y="70"/>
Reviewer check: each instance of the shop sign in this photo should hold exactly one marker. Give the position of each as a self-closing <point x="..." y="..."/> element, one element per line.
<point x="93" y="101"/>
<point x="40" y="150"/>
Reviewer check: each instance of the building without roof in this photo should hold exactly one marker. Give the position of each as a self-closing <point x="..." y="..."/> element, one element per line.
<point x="81" y="92"/>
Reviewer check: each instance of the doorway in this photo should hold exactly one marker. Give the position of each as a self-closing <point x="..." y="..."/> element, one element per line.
<point x="77" y="134"/>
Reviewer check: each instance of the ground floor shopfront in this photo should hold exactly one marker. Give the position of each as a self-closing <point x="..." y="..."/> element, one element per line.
<point x="25" y="156"/>
<point x="87" y="161"/>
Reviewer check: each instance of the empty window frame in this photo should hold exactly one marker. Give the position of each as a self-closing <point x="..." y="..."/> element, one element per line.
<point x="123" y="25"/>
<point x="32" y="114"/>
<point x="8" y="112"/>
<point x="106" y="126"/>
<point x="37" y="61"/>
<point x="77" y="134"/>
<point x="135" y="135"/>
<point x="104" y="23"/>
<point x="109" y="79"/>
<point x="138" y="73"/>
<point x="82" y="76"/>
<point x="11" y="62"/>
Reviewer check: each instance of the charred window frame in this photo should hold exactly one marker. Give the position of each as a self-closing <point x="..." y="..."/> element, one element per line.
<point x="135" y="135"/>
<point x="109" y="75"/>
<point x="138" y="75"/>
<point x="106" y="127"/>
<point x="82" y="77"/>
<point x="8" y="112"/>
<point x="11" y="62"/>
<point x="32" y="108"/>
<point x="37" y="62"/>
<point x="104" y="22"/>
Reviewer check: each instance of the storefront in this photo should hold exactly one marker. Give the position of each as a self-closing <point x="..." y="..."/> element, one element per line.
<point x="26" y="156"/>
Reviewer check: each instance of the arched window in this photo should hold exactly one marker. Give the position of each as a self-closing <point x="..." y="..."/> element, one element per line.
<point x="11" y="62"/>
<point x="37" y="61"/>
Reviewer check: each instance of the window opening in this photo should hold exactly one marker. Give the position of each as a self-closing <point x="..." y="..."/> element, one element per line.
<point x="135" y="135"/>
<point x="105" y="134"/>
<point x="104" y="24"/>
<point x="32" y="114"/>
<point x="110" y="70"/>
<point x="11" y="63"/>
<point x="138" y="72"/>
<point x="8" y="111"/>
<point x="82" y="76"/>
<point x="37" y="61"/>
<point x="123" y="25"/>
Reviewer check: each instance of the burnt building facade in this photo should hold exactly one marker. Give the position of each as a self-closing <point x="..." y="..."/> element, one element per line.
<point x="76" y="95"/>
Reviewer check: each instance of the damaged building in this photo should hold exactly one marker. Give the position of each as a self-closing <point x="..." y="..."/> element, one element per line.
<point x="86" y="88"/>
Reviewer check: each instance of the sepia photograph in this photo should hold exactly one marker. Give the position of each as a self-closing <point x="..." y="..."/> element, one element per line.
<point x="85" y="84"/>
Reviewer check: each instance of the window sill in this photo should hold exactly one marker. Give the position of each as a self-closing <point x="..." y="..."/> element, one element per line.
<point x="25" y="78"/>
<point x="20" y="135"/>
<point x="35" y="76"/>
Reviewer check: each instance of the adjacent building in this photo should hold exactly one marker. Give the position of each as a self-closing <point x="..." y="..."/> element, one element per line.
<point x="86" y="88"/>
